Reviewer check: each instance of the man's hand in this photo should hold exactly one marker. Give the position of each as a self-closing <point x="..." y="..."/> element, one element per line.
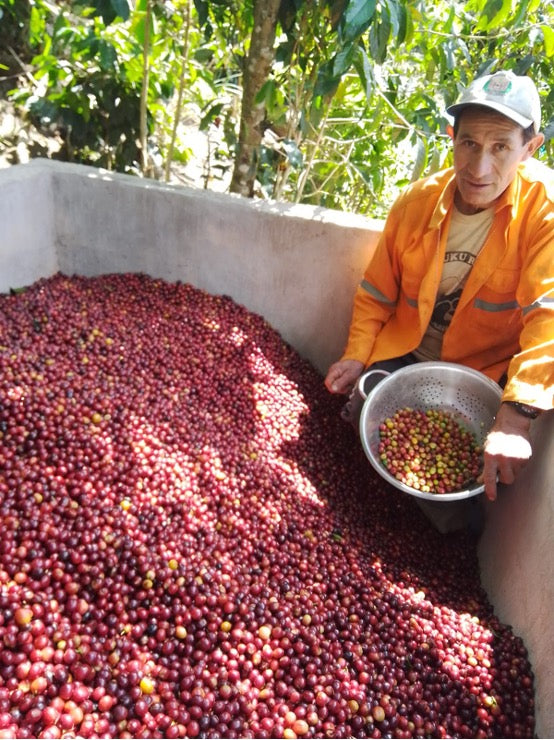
<point x="342" y="375"/>
<point x="507" y="449"/>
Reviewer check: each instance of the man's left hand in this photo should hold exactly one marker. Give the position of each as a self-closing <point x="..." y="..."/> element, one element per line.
<point x="507" y="449"/>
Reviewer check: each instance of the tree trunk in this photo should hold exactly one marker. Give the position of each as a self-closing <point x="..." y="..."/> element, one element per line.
<point x="256" y="71"/>
<point x="145" y="165"/>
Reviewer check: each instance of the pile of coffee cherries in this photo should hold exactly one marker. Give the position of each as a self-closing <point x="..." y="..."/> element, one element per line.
<point x="194" y="544"/>
<point x="429" y="450"/>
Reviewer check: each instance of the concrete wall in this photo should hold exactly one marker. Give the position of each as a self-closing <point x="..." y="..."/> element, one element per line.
<point x="297" y="266"/>
<point x="27" y="239"/>
<point x="516" y="553"/>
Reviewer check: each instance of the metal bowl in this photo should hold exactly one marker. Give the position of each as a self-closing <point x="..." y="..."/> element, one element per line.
<point x="469" y="396"/>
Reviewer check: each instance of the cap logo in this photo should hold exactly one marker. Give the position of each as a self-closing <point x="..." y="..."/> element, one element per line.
<point x="498" y="85"/>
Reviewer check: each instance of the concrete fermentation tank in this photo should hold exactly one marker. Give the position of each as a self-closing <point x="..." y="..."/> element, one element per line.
<point x="283" y="262"/>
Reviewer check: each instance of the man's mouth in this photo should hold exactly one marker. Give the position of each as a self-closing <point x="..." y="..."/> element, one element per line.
<point x="477" y="185"/>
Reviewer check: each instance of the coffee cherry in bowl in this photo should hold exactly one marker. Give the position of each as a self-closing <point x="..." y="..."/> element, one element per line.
<point x="429" y="451"/>
<point x="423" y="428"/>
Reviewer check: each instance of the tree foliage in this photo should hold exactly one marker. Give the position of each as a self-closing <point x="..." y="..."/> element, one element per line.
<point x="340" y="104"/>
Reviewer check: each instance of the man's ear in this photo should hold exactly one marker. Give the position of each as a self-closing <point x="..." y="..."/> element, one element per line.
<point x="533" y="144"/>
<point x="450" y="131"/>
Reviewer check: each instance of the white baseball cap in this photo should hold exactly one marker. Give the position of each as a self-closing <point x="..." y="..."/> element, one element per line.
<point x="513" y="96"/>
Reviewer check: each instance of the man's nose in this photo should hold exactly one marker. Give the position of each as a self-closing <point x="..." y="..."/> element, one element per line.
<point x="480" y="164"/>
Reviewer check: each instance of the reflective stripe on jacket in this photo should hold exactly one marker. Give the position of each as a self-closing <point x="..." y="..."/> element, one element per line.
<point x="504" y="321"/>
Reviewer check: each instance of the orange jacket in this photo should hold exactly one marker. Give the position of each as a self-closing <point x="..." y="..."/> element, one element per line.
<point x="505" y="317"/>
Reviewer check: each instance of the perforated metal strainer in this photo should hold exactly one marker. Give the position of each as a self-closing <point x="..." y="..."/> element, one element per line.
<point x="469" y="396"/>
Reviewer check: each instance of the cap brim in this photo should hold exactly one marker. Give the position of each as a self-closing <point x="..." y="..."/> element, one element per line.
<point x="498" y="107"/>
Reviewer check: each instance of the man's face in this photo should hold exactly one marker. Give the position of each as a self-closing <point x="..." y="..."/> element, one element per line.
<point x="488" y="148"/>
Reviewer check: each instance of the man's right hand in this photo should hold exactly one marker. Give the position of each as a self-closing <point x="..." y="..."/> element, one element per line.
<point x="343" y="375"/>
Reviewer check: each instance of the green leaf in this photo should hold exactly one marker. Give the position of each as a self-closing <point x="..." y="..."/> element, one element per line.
<point x="524" y="64"/>
<point x="167" y="89"/>
<point x="450" y="20"/>
<point x="549" y="130"/>
<point x="204" y="55"/>
<point x="379" y="34"/>
<point x="61" y="25"/>
<point x="522" y="12"/>
<point x="36" y="26"/>
<point x="364" y="69"/>
<point x="104" y="10"/>
<point x="336" y="10"/>
<point x="285" y="50"/>
<point x="287" y="15"/>
<point x="420" y="159"/>
<point x="293" y="153"/>
<point x="343" y="60"/>
<point x="208" y="118"/>
<point x="108" y="55"/>
<point x="548" y="37"/>
<point x="326" y="83"/>
<point x="202" y="11"/>
<point x="391" y="9"/>
<point x="46" y="111"/>
<point x="88" y="46"/>
<point x="404" y="29"/>
<point x="267" y="94"/>
<point x="356" y="19"/>
<point x="139" y="27"/>
<point x="495" y="13"/>
<point x="435" y="163"/>
<point x="121" y="8"/>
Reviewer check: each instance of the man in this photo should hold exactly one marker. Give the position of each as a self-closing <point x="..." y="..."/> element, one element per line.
<point x="464" y="270"/>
